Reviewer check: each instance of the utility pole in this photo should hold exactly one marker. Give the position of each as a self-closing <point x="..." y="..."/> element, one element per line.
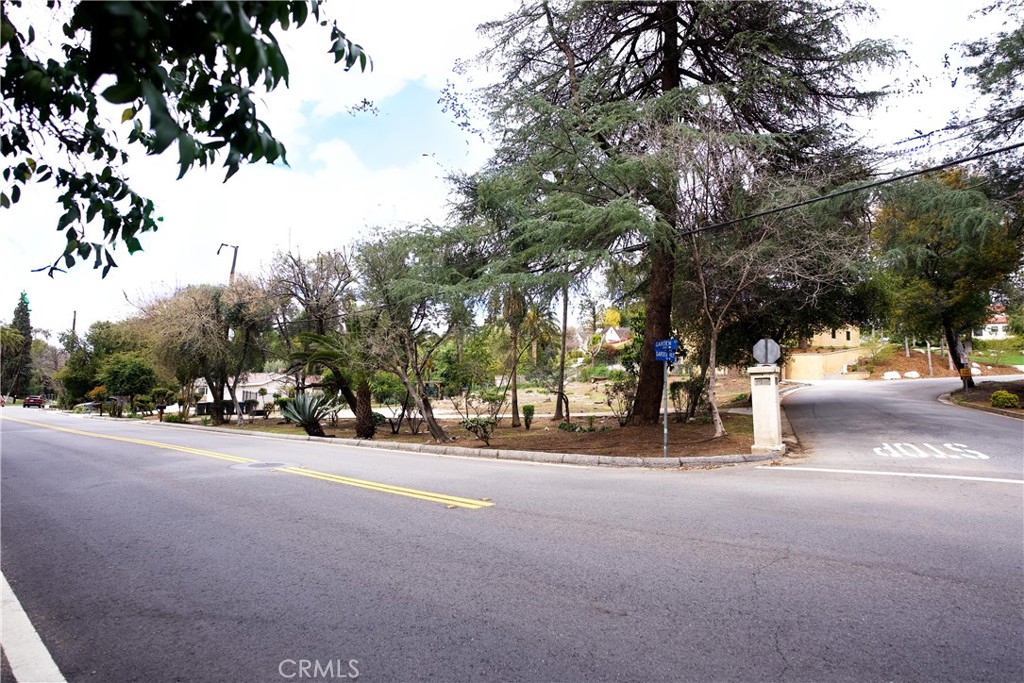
<point x="234" y="258"/>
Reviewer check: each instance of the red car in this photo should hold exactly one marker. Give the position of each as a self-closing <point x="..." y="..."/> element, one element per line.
<point x="29" y="401"/>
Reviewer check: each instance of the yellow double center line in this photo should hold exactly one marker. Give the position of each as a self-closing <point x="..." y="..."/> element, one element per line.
<point x="449" y="501"/>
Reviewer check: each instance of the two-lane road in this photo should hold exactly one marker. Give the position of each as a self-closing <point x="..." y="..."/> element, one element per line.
<point x="153" y="553"/>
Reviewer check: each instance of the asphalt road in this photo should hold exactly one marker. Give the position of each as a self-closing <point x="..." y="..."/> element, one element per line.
<point x="141" y="554"/>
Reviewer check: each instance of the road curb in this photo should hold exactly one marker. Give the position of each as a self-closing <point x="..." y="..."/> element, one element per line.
<point x="945" y="398"/>
<point x="580" y="459"/>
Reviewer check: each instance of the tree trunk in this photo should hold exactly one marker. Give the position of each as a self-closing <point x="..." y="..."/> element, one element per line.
<point x="233" y="393"/>
<point x="558" y="417"/>
<point x="365" y="429"/>
<point x="422" y="403"/>
<point x="928" y="350"/>
<point x="435" y="429"/>
<point x="958" y="363"/>
<point x="647" y="404"/>
<point x="906" y="347"/>
<point x="345" y="389"/>
<point x="514" y="380"/>
<point x="716" y="417"/>
<point x="217" y="407"/>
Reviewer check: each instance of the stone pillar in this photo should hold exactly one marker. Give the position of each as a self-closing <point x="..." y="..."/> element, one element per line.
<point x="764" y="397"/>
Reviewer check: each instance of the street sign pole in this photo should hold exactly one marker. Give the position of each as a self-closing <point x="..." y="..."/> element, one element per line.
<point x="664" y="389"/>
<point x="665" y="351"/>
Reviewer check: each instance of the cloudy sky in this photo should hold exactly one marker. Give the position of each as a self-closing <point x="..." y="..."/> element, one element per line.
<point x="349" y="173"/>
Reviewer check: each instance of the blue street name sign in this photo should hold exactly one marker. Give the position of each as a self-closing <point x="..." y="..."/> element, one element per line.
<point x="665" y="349"/>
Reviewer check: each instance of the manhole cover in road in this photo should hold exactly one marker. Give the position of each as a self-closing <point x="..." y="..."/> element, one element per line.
<point x="260" y="466"/>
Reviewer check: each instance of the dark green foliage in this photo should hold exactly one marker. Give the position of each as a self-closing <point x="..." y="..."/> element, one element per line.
<point x="17" y="352"/>
<point x="528" y="411"/>
<point x="196" y="68"/>
<point x="997" y="73"/>
<point x="175" y="418"/>
<point x="163" y="396"/>
<point x="283" y="402"/>
<point x="947" y="246"/>
<point x="128" y="375"/>
<point x="594" y="99"/>
<point x="308" y="411"/>
<point x="1004" y="399"/>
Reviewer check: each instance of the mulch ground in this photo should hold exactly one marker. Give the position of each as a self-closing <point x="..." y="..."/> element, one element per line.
<point x="608" y="438"/>
<point x="981" y="396"/>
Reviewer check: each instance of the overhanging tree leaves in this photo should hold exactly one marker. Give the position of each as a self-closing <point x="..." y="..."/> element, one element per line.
<point x="196" y="68"/>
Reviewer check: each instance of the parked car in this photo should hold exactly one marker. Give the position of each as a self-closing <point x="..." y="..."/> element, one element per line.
<point x="36" y="401"/>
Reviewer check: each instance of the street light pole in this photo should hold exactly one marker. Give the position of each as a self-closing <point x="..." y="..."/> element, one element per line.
<point x="234" y="258"/>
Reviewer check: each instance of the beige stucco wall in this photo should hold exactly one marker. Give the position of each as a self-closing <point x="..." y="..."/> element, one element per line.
<point x="837" y="338"/>
<point x="820" y="365"/>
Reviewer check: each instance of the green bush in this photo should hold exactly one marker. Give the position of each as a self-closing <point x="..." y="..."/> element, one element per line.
<point x="528" y="411"/>
<point x="574" y="427"/>
<point x="174" y="418"/>
<point x="283" y="402"/>
<point x="595" y="372"/>
<point x="379" y="419"/>
<point x="1004" y="399"/>
<point x="482" y="427"/>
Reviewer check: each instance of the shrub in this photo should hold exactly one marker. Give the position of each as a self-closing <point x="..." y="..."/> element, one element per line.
<point x="174" y="418"/>
<point x="1004" y="399"/>
<point x="307" y="411"/>
<point x="282" y="402"/>
<point x="528" y="410"/>
<point x="619" y="397"/>
<point x="379" y="419"/>
<point x="162" y="396"/>
<point x="574" y="427"/>
<point x="595" y="372"/>
<point x="482" y="427"/>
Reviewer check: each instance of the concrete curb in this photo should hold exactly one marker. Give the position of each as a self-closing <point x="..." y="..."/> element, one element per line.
<point x="944" y="398"/>
<point x="580" y="459"/>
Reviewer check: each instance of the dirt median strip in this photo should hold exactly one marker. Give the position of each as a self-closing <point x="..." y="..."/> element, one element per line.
<point x="581" y="459"/>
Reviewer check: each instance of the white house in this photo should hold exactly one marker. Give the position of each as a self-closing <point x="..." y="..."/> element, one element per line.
<point x="996" y="325"/>
<point x="617" y="336"/>
<point x="249" y="390"/>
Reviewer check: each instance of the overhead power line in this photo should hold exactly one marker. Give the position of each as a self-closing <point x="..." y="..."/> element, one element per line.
<point x="851" y="190"/>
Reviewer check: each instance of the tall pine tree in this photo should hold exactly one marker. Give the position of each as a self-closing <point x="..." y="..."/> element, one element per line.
<point x="17" y="361"/>
<point x="583" y="82"/>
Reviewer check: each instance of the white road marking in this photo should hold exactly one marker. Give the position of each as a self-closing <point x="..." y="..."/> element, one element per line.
<point x="892" y="474"/>
<point x="956" y="451"/>
<point x="29" y="659"/>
